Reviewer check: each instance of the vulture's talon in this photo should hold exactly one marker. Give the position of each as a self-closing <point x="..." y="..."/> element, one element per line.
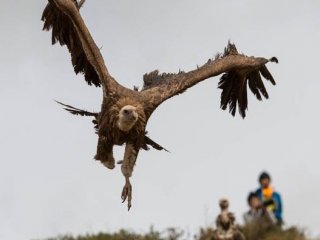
<point x="127" y="193"/>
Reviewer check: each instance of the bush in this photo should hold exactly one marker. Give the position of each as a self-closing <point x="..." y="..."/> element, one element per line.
<point x="259" y="231"/>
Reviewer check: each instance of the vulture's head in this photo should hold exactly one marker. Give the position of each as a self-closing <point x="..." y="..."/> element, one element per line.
<point x="128" y="116"/>
<point x="225" y="219"/>
<point x="224" y="204"/>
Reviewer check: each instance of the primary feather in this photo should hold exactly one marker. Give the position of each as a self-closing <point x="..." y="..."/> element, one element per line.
<point x="64" y="33"/>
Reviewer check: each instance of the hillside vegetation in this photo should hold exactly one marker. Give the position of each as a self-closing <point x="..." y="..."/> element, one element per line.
<point x="251" y="232"/>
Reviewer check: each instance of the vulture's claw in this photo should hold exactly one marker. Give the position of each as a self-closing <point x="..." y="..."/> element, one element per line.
<point x="127" y="193"/>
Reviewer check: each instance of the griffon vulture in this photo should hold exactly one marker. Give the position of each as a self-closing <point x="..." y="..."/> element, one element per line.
<point x="124" y="112"/>
<point x="226" y="229"/>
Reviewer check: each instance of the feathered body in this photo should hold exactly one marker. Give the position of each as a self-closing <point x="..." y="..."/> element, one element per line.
<point x="226" y="229"/>
<point x="109" y="122"/>
<point x="125" y="112"/>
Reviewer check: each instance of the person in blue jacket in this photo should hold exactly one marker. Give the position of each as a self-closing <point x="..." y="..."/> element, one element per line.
<point x="270" y="198"/>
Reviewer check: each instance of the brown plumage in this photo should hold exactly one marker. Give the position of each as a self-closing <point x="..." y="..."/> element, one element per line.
<point x="124" y="113"/>
<point x="226" y="228"/>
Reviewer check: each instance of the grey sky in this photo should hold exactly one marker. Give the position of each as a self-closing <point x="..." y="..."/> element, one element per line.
<point x="49" y="183"/>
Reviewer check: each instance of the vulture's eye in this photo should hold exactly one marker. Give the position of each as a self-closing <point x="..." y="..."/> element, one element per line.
<point x="126" y="111"/>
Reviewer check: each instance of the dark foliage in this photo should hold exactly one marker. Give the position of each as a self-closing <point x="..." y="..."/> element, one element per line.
<point x="259" y="231"/>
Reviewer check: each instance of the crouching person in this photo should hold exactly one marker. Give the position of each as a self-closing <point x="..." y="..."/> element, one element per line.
<point x="258" y="213"/>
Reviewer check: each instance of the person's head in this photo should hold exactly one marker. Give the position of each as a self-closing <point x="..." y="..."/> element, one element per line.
<point x="254" y="200"/>
<point x="264" y="179"/>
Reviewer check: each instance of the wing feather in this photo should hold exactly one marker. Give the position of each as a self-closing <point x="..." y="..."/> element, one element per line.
<point x="65" y="33"/>
<point x="239" y="72"/>
<point x="153" y="144"/>
<point x="243" y="98"/>
<point x="234" y="90"/>
<point x="77" y="111"/>
<point x="255" y="76"/>
<point x="266" y="74"/>
<point x="254" y="88"/>
<point x="229" y="84"/>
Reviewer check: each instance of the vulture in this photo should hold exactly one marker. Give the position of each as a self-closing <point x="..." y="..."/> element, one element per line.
<point x="124" y="111"/>
<point x="226" y="228"/>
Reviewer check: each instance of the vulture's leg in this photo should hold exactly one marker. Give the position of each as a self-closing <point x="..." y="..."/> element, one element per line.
<point x="105" y="153"/>
<point x="130" y="156"/>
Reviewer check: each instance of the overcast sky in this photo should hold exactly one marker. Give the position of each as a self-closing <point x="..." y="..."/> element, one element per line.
<point x="49" y="182"/>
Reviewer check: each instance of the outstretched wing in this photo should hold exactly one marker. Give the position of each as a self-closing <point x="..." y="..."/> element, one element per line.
<point x="238" y="70"/>
<point x="68" y="28"/>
